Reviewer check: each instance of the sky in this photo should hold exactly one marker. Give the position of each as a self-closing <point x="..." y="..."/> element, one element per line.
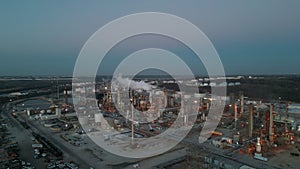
<point x="251" y="37"/>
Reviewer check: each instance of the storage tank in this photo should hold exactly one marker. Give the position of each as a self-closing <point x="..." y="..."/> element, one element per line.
<point x="98" y="117"/>
<point x="57" y="111"/>
<point x="187" y="96"/>
<point x="197" y="95"/>
<point x="83" y="120"/>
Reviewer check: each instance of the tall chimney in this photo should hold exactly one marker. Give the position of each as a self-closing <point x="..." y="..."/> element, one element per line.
<point x="66" y="95"/>
<point x="286" y="116"/>
<point x="235" y="117"/>
<point x="271" y="129"/>
<point x="250" y="120"/>
<point x="242" y="102"/>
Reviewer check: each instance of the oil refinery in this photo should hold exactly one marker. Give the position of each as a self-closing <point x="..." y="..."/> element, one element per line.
<point x="250" y="133"/>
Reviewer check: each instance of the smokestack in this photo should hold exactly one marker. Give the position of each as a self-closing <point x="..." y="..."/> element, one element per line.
<point x="232" y="99"/>
<point x="66" y="95"/>
<point x="286" y="116"/>
<point x="271" y="129"/>
<point x="151" y="98"/>
<point x="232" y="102"/>
<point x="132" y="120"/>
<point x="185" y="119"/>
<point x="242" y="102"/>
<point x="250" y="120"/>
<point x="118" y="97"/>
<point x="182" y="105"/>
<point x="235" y="117"/>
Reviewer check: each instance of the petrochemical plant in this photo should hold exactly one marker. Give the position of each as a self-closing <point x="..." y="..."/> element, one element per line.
<point x="248" y="126"/>
<point x="249" y="133"/>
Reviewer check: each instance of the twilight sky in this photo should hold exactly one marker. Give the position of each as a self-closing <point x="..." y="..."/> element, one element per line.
<point x="251" y="37"/>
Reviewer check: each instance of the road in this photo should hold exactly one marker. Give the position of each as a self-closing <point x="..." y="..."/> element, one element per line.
<point x="88" y="155"/>
<point x="60" y="144"/>
<point x="23" y="137"/>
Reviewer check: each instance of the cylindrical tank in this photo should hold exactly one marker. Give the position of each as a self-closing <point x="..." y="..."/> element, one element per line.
<point x="187" y="96"/>
<point x="98" y="118"/>
<point x="199" y="95"/>
<point x="83" y="120"/>
<point x="58" y="111"/>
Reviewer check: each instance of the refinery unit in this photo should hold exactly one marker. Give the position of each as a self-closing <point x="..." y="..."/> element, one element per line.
<point x="257" y="128"/>
<point x="248" y="126"/>
<point x="155" y="110"/>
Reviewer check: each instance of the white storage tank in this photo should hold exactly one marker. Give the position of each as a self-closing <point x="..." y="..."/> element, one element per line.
<point x="98" y="117"/>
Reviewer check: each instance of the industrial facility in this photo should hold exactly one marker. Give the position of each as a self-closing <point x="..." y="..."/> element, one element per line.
<point x="251" y="132"/>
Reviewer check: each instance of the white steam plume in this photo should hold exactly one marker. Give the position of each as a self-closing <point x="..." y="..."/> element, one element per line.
<point x="133" y="84"/>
